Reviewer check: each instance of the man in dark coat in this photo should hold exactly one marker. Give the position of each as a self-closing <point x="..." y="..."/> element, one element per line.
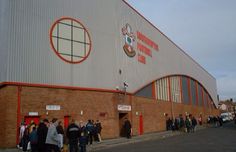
<point x="72" y="134"/>
<point x="98" y="130"/>
<point x="90" y="129"/>
<point x="194" y="124"/>
<point x="127" y="128"/>
<point x="42" y="134"/>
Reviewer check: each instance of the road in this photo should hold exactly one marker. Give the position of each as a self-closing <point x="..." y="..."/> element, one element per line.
<point x="207" y="140"/>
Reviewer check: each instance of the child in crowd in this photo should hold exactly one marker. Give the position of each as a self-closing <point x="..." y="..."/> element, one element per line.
<point x="83" y="142"/>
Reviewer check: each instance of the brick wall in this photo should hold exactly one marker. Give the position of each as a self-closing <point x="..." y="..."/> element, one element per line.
<point x="72" y="102"/>
<point x="154" y="111"/>
<point x="95" y="105"/>
<point x="8" y="114"/>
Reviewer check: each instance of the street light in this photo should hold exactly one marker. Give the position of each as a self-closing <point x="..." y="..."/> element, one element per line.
<point x="175" y="98"/>
<point x="172" y="113"/>
<point x="125" y="87"/>
<point x="122" y="91"/>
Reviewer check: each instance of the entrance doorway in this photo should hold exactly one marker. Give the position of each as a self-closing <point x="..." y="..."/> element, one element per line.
<point x="66" y="121"/>
<point x="122" y="117"/>
<point x="141" y="124"/>
<point x="28" y="119"/>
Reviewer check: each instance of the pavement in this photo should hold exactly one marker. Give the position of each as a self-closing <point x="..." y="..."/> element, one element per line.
<point x="211" y="139"/>
<point x="135" y="139"/>
<point x="108" y="143"/>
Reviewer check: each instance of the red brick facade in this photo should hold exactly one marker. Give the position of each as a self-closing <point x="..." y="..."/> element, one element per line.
<point x="93" y="105"/>
<point x="8" y="114"/>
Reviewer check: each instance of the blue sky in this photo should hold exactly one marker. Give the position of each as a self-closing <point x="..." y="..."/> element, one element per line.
<point x="204" y="29"/>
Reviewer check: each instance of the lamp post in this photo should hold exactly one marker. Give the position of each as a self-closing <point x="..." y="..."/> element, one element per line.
<point x="172" y="109"/>
<point x="175" y="98"/>
<point x="125" y="88"/>
<point x="122" y="91"/>
<point x="211" y="110"/>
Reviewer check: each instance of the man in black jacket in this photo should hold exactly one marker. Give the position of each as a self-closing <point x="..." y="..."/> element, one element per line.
<point x="73" y="135"/>
<point x="127" y="128"/>
<point x="42" y="134"/>
<point x="90" y="129"/>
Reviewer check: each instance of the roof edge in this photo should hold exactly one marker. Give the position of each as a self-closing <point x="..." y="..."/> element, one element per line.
<point x="60" y="87"/>
<point x="167" y="37"/>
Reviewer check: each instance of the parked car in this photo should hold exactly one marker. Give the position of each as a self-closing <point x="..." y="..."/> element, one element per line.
<point x="226" y="116"/>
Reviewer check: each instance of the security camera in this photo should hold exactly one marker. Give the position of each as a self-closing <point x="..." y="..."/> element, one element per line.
<point x="117" y="88"/>
<point x="126" y="84"/>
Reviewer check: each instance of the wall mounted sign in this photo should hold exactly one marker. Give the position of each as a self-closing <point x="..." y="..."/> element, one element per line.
<point x="143" y="48"/>
<point x="33" y="113"/>
<point x="129" y="40"/>
<point x="124" y="107"/>
<point x="53" y="107"/>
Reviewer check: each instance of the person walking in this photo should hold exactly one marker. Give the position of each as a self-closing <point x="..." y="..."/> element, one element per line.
<point x="83" y="140"/>
<point x="72" y="134"/>
<point x="42" y="135"/>
<point x="127" y="128"/>
<point x="169" y="124"/>
<point x="99" y="130"/>
<point x="90" y="129"/>
<point x="25" y="140"/>
<point x="22" y="129"/>
<point x="188" y="124"/>
<point x="200" y="120"/>
<point x="220" y="121"/>
<point x="194" y="124"/>
<point x="33" y="138"/>
<point x="181" y="123"/>
<point x="31" y="126"/>
<point x="52" y="138"/>
<point x="60" y="132"/>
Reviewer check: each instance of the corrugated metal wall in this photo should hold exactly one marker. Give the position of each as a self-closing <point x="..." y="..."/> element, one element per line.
<point x="31" y="58"/>
<point x="4" y="13"/>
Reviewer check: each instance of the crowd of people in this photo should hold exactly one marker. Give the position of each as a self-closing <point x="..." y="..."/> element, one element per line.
<point x="187" y="124"/>
<point x="51" y="136"/>
<point x="215" y="120"/>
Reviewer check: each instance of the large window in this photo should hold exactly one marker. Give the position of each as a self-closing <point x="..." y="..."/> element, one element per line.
<point x="205" y="97"/>
<point x="179" y="89"/>
<point x="200" y="100"/>
<point x="70" y="40"/>
<point x="185" y="91"/>
<point x="193" y="92"/>
<point x="145" y="92"/>
<point x="175" y="89"/>
<point x="163" y="89"/>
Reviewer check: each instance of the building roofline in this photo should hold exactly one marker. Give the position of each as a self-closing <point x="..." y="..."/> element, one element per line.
<point x="61" y="87"/>
<point x="166" y="36"/>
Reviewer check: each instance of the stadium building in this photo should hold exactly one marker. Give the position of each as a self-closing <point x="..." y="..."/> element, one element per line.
<point x="87" y="59"/>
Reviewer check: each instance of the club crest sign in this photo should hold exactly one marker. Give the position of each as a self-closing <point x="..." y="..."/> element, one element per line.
<point x="138" y="44"/>
<point x="129" y="40"/>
